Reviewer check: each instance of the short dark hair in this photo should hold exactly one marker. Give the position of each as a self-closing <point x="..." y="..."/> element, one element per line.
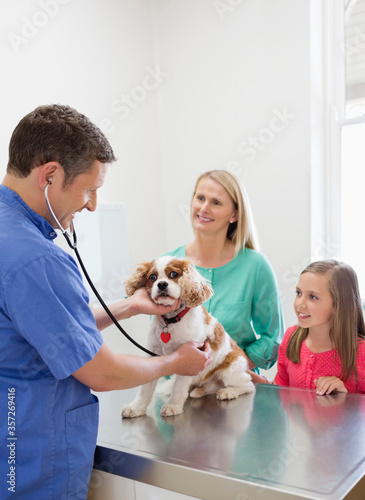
<point x="58" y="133"/>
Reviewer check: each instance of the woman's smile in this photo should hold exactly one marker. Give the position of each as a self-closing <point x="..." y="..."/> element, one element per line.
<point x="204" y="219"/>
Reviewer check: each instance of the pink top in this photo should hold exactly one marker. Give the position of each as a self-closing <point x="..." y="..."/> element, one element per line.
<point x="313" y="366"/>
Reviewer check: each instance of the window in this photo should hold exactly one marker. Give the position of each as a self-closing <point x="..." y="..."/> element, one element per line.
<point x="352" y="139"/>
<point x="355" y="58"/>
<point x="353" y="196"/>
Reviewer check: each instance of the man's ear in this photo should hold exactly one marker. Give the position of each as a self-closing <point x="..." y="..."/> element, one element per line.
<point x="50" y="172"/>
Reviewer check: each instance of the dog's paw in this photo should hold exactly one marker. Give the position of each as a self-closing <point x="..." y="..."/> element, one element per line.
<point x="228" y="393"/>
<point x="130" y="411"/>
<point x="234" y="392"/>
<point x="168" y="410"/>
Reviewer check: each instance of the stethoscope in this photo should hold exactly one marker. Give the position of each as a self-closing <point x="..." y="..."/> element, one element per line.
<point x="73" y="245"/>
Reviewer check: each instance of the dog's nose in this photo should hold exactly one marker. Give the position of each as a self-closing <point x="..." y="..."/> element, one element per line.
<point x="162" y="285"/>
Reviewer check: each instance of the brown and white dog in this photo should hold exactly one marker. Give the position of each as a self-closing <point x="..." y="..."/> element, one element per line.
<point x="167" y="279"/>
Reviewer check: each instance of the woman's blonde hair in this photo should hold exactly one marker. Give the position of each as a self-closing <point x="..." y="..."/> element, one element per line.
<point x="347" y="321"/>
<point x="242" y="232"/>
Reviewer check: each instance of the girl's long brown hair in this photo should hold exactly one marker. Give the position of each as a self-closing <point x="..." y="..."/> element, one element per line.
<point x="348" y="324"/>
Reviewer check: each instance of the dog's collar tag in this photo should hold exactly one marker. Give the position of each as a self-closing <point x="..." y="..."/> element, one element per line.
<point x="165" y="336"/>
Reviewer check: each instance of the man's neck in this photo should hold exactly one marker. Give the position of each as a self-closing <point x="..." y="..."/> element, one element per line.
<point x="28" y="190"/>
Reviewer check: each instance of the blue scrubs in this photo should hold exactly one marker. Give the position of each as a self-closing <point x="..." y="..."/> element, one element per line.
<point x="49" y="420"/>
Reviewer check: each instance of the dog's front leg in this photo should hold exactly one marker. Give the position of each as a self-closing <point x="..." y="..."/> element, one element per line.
<point x="179" y="394"/>
<point x="140" y="403"/>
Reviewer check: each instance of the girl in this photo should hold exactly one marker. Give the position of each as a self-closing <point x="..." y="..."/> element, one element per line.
<point x="326" y="350"/>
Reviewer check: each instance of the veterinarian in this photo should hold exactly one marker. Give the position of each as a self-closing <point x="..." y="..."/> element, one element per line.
<point x="52" y="352"/>
<point x="246" y="298"/>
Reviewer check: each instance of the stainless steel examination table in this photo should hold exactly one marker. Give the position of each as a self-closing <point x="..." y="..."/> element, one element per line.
<point x="279" y="443"/>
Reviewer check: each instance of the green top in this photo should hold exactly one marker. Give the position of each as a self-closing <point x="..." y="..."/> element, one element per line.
<point x="246" y="301"/>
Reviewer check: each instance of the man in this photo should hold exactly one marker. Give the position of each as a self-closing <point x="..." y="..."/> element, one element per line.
<point x="51" y="350"/>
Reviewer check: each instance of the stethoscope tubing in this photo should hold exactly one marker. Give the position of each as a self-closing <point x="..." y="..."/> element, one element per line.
<point x="73" y="246"/>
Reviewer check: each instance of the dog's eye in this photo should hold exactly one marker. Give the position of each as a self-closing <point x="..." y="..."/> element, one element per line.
<point x="173" y="275"/>
<point x="153" y="277"/>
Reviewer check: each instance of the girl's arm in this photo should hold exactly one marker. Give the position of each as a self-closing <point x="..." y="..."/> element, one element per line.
<point x="326" y="385"/>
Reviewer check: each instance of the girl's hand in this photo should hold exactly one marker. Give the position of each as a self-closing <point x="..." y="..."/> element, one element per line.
<point x="326" y="385"/>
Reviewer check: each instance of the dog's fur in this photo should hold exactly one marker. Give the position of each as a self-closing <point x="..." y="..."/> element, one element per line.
<point x="167" y="279"/>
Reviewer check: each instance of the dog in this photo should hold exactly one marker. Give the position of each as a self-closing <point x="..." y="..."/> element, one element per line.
<point x="167" y="279"/>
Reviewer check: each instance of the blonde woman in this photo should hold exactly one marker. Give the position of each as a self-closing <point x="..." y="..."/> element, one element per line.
<point x="246" y="298"/>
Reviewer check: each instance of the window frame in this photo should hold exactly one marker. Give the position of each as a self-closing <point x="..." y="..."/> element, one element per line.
<point x="326" y="172"/>
<point x="327" y="118"/>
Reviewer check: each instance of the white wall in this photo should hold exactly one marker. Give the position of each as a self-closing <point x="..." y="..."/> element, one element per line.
<point x="200" y="80"/>
<point x="239" y="97"/>
<point x="87" y="54"/>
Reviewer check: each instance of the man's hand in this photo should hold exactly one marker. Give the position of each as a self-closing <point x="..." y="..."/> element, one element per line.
<point x="139" y="303"/>
<point x="191" y="358"/>
<point x="144" y="305"/>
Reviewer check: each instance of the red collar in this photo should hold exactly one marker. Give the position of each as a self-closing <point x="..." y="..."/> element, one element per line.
<point x="165" y="335"/>
<point x="176" y="318"/>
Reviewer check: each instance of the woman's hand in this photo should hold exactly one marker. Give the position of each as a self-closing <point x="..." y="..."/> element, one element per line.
<point x="257" y="379"/>
<point x="326" y="385"/>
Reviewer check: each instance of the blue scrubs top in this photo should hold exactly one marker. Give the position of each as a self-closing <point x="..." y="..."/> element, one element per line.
<point x="49" y="420"/>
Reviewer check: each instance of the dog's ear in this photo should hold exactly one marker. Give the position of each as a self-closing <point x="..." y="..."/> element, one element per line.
<point x="137" y="279"/>
<point x="194" y="288"/>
